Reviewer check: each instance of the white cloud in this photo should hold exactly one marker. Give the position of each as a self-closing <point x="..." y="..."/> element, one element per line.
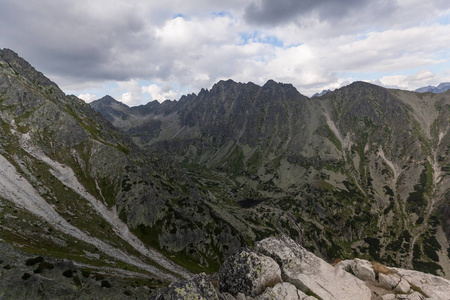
<point x="87" y="97"/>
<point x="134" y="93"/>
<point x="158" y="93"/>
<point x="420" y="79"/>
<point x="131" y="93"/>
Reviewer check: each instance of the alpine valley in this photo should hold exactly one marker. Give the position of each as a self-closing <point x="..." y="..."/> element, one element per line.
<point x="103" y="200"/>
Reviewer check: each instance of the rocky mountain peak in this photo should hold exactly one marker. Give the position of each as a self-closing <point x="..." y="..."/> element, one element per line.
<point x="224" y="83"/>
<point x="223" y="89"/>
<point x="323" y="92"/>
<point x="107" y="101"/>
<point x="362" y="85"/>
<point x="271" y="84"/>
<point x="23" y="68"/>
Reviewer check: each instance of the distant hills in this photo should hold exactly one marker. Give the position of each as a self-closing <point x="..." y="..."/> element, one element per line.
<point x="321" y="93"/>
<point x="443" y="87"/>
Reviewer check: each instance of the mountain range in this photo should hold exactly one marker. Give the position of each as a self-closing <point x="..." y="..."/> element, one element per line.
<point x="442" y="87"/>
<point x="149" y="194"/>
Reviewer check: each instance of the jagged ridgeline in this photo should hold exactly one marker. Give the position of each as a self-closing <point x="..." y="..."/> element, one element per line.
<point x="359" y="172"/>
<point x="162" y="190"/>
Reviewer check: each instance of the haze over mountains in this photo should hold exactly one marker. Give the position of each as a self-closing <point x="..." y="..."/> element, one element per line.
<point x="164" y="190"/>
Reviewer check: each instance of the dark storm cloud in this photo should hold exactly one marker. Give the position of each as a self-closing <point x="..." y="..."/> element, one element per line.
<point x="275" y="12"/>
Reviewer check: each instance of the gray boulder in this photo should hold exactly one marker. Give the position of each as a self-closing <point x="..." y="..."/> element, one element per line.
<point x="360" y="268"/>
<point x="249" y="273"/>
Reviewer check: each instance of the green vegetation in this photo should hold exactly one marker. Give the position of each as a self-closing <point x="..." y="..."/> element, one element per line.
<point x="427" y="267"/>
<point x="416" y="201"/>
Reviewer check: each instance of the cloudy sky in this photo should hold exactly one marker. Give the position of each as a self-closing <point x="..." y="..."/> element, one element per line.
<point x="141" y="50"/>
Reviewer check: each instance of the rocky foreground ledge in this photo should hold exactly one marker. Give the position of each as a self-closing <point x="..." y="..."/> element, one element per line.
<point x="279" y="268"/>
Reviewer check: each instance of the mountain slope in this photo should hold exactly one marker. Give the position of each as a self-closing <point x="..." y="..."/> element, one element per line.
<point x="361" y="171"/>
<point x="55" y="169"/>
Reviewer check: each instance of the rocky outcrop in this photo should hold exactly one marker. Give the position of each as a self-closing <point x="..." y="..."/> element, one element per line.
<point x="396" y="283"/>
<point x="279" y="268"/>
<point x="284" y="290"/>
<point x="310" y="273"/>
<point x="428" y="285"/>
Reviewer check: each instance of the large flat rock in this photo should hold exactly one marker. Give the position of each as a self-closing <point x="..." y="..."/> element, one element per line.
<point x="431" y="286"/>
<point x="310" y="273"/>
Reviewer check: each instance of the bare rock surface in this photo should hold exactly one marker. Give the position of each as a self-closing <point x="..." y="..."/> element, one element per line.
<point x="395" y="283"/>
<point x="429" y="285"/>
<point x="312" y="274"/>
<point x="360" y="268"/>
<point x="285" y="291"/>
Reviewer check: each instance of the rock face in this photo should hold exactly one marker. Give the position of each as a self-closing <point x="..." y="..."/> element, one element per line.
<point x="310" y="273"/>
<point x="200" y="287"/>
<point x="395" y="283"/>
<point x="255" y="275"/>
<point x="429" y="285"/>
<point x="284" y="290"/>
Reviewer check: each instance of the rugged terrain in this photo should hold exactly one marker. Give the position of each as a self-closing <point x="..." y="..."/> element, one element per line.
<point x="147" y="195"/>
<point x="359" y="172"/>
